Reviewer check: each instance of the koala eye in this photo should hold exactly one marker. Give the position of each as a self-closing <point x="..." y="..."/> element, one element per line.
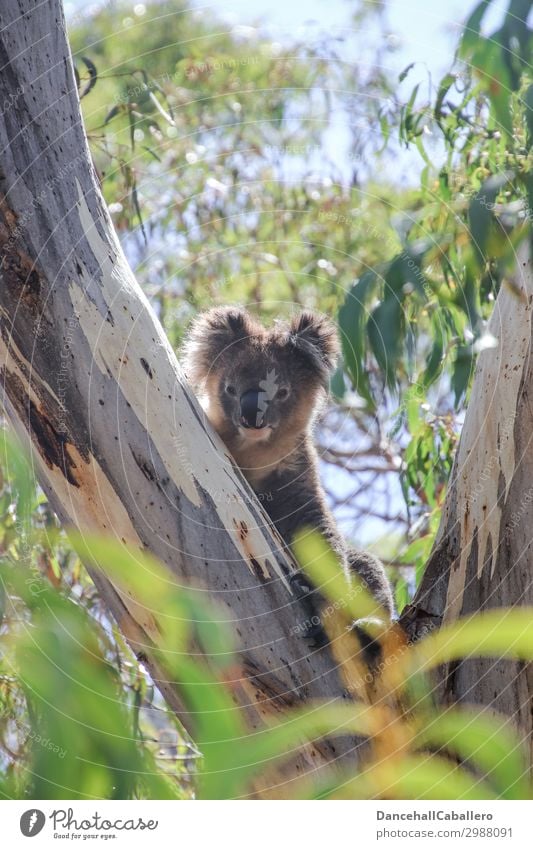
<point x="231" y="390"/>
<point x="282" y="393"/>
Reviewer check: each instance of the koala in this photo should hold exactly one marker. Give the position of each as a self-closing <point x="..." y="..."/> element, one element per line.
<point x="261" y="390"/>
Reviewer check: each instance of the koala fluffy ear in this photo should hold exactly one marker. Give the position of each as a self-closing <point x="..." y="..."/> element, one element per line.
<point x="212" y="333"/>
<point x="316" y="336"/>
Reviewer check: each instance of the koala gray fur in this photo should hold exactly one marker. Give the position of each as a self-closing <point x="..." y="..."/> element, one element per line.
<point x="261" y="389"/>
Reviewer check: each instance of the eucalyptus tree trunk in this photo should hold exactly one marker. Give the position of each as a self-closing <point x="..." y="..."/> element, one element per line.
<point x="89" y="379"/>
<point x="483" y="555"/>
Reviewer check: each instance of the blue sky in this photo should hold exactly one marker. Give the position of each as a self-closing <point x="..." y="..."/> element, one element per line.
<point x="425" y="32"/>
<point x="421" y="32"/>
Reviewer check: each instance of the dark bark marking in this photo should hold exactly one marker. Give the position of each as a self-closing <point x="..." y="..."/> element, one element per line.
<point x="258" y="572"/>
<point x="19" y="274"/>
<point x="146" y="468"/>
<point x="268" y="686"/>
<point x="471" y="600"/>
<point x="51" y="443"/>
<point x="450" y="688"/>
<point x="500" y="497"/>
<point x="242" y="532"/>
<point x="149" y="471"/>
<point x="418" y="623"/>
<point x="147" y="368"/>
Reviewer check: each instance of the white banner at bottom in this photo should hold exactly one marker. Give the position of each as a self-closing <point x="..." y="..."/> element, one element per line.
<point x="267" y="824"/>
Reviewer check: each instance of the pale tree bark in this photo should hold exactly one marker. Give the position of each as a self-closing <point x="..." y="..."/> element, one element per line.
<point x="482" y="557"/>
<point x="120" y="445"/>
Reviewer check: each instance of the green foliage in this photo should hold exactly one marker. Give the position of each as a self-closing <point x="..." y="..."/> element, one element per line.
<point x="414" y="325"/>
<point x="57" y="663"/>
<point x="59" y="652"/>
<point x="464" y="760"/>
<point x="60" y="666"/>
<point x="472" y="212"/>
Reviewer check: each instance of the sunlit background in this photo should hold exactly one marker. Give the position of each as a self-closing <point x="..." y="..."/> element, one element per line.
<point x="330" y="155"/>
<point x="413" y="31"/>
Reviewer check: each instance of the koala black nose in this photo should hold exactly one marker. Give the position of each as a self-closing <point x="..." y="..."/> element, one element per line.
<point x="251" y="415"/>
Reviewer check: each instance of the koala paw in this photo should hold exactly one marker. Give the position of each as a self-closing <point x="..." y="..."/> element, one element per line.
<point x="368" y="632"/>
<point x="308" y="598"/>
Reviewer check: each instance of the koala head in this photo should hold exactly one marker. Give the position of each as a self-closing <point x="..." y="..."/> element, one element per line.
<point x="260" y="385"/>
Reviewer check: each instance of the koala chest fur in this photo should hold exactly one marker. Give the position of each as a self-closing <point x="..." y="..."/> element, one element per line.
<point x="292" y="495"/>
<point x="261" y="390"/>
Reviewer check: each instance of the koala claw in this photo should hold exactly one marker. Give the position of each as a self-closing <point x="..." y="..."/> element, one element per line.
<point x="368" y="632"/>
<point x="317" y="636"/>
<point x="304" y="592"/>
